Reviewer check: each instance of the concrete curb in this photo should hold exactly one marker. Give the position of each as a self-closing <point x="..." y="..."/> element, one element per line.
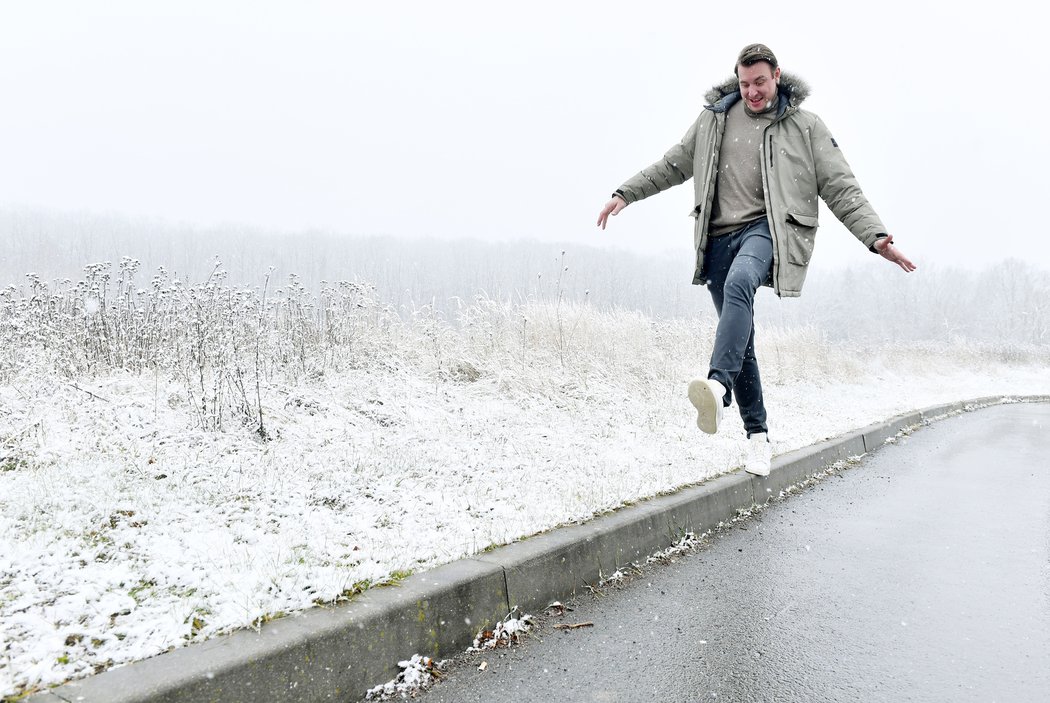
<point x="558" y="564"/>
<point x="321" y="654"/>
<point x="338" y="653"/>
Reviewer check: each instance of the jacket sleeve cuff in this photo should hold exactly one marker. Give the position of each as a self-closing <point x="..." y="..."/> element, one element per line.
<point x="872" y="249"/>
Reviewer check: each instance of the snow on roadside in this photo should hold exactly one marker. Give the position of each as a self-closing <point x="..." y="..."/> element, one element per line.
<point x="505" y="633"/>
<point x="416" y="674"/>
<point x="124" y="532"/>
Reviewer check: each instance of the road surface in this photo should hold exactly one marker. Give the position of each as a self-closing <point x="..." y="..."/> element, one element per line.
<point x="921" y="574"/>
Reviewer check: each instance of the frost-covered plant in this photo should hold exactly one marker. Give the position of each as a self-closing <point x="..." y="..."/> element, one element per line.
<point x="222" y="342"/>
<point x="227" y="344"/>
<point x="416" y="674"/>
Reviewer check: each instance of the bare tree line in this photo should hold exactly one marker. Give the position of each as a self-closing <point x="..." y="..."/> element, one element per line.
<point x="1007" y="304"/>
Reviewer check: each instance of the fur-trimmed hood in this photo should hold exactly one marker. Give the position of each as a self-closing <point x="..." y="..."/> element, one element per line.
<point x="791" y="85"/>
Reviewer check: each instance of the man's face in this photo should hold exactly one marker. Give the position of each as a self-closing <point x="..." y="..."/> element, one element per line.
<point x="758" y="84"/>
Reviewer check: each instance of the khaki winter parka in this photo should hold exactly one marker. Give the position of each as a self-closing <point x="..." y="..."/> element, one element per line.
<point x="800" y="162"/>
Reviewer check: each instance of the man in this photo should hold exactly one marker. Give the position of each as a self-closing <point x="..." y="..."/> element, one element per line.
<point x="758" y="163"/>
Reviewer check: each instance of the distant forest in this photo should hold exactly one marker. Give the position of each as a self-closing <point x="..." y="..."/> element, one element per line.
<point x="1006" y="305"/>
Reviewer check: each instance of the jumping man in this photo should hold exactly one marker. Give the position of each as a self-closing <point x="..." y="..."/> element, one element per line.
<point x="760" y="162"/>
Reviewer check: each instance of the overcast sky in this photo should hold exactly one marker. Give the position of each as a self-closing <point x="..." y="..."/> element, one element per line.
<point x="513" y="120"/>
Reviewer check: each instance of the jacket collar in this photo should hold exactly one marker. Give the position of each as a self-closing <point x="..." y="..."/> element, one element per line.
<point x="791" y="92"/>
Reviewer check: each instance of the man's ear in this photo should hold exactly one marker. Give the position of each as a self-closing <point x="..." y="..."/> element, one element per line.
<point x="776" y="75"/>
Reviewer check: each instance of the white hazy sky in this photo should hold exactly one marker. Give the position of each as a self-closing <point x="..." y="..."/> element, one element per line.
<point x="513" y="120"/>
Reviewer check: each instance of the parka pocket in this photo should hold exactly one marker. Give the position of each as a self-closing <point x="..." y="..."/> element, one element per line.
<point x="801" y="237"/>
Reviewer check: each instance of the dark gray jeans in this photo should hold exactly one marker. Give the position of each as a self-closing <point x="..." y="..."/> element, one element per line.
<point x="737" y="264"/>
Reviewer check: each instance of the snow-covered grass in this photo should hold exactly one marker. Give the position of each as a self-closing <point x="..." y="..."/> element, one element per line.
<point x="180" y="461"/>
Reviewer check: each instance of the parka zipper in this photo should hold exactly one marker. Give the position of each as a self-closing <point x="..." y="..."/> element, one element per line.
<point x="766" y="176"/>
<point x="765" y="187"/>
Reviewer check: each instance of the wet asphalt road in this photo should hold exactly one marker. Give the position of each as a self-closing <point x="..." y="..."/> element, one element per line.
<point x="921" y="574"/>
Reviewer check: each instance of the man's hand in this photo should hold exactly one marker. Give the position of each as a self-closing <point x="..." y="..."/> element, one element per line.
<point x="612" y="207"/>
<point x="884" y="246"/>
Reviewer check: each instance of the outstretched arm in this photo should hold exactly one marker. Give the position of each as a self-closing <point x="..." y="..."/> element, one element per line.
<point x="885" y="248"/>
<point x="674" y="168"/>
<point x="838" y="187"/>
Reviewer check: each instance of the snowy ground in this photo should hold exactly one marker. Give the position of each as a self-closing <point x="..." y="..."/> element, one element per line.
<point x="127" y="530"/>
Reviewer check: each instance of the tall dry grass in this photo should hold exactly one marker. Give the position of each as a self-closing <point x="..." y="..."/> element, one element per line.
<point x="227" y="344"/>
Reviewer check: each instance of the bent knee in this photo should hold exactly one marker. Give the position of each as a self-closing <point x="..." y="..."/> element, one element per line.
<point x="744" y="280"/>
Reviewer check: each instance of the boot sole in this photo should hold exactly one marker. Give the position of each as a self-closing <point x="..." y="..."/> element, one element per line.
<point x="706" y="405"/>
